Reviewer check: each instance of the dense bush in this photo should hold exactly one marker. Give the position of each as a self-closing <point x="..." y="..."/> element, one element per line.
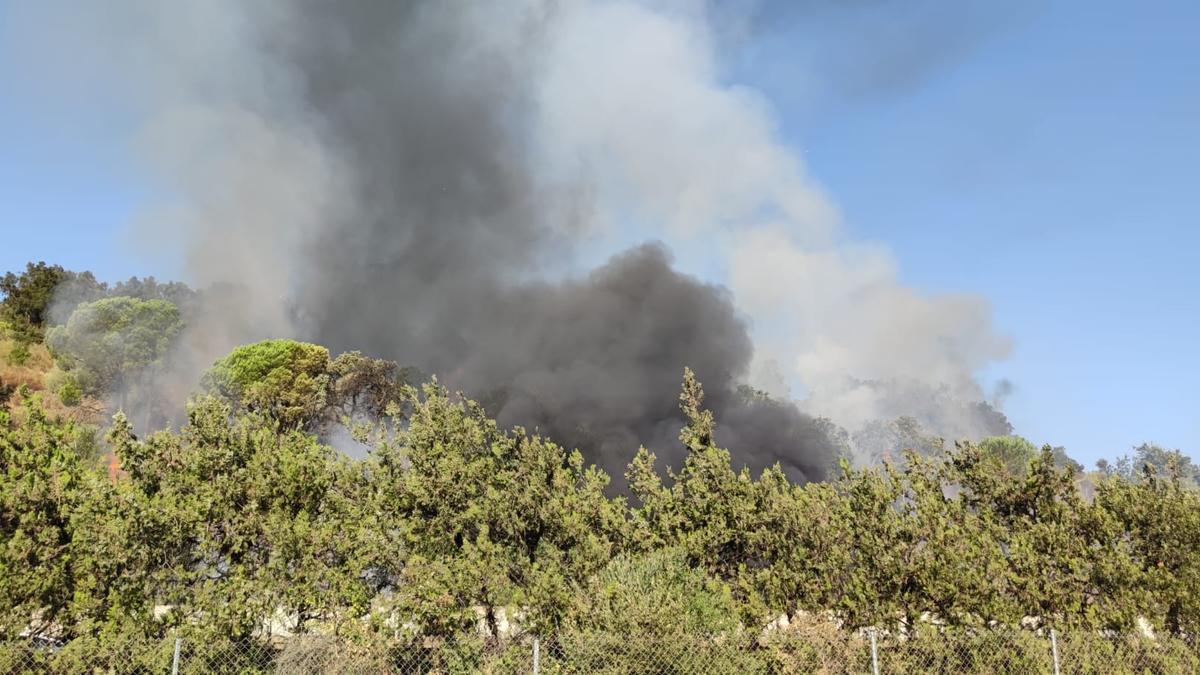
<point x="452" y="526"/>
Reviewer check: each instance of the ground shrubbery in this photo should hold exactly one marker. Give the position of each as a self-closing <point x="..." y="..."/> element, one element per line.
<point x="453" y="531"/>
<point x="452" y="524"/>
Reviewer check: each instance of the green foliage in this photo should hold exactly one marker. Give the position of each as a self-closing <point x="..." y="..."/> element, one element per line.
<point x="43" y="482"/>
<point x="297" y="385"/>
<point x="657" y="609"/>
<point x="284" y="379"/>
<point x="69" y="392"/>
<point x="1014" y="453"/>
<point x="19" y="354"/>
<point x="660" y="594"/>
<point x="454" y="527"/>
<point x="258" y="520"/>
<point x="975" y="652"/>
<point x="488" y="519"/>
<point x="108" y="344"/>
<point x="174" y="292"/>
<point x="995" y="533"/>
<point x="1160" y="461"/>
<point x="45" y="294"/>
<point x="28" y="297"/>
<point x="1164" y="514"/>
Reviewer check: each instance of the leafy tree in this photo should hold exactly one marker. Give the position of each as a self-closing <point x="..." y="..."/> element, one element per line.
<point x="1161" y="515"/>
<point x="1014" y="453"/>
<point x="365" y="386"/>
<point x="174" y="292"/>
<point x="297" y="385"/>
<point x="69" y="393"/>
<point x="656" y="608"/>
<point x="42" y="480"/>
<point x="955" y="567"/>
<point x="486" y="518"/>
<point x="452" y="523"/>
<point x="750" y="534"/>
<point x="712" y="531"/>
<point x="1164" y="462"/>
<point x="115" y="343"/>
<point x="260" y="520"/>
<point x="19" y="354"/>
<point x="1063" y="556"/>
<point x="657" y="593"/>
<point x="28" y="296"/>
<point x="286" y="380"/>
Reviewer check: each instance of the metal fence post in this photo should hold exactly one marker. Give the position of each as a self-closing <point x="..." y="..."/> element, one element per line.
<point x="1054" y="650"/>
<point x="875" y="654"/>
<point x="537" y="655"/>
<point x="175" y="657"/>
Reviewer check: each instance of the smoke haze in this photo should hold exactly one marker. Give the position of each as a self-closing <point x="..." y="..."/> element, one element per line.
<point x="430" y="181"/>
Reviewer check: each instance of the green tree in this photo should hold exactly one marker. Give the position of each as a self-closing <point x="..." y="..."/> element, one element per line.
<point x="42" y="481"/>
<point x="115" y="344"/>
<point x="657" y="593"/>
<point x="707" y="506"/>
<point x="1065" y="559"/>
<point x="28" y="296"/>
<point x="1159" y="516"/>
<point x="174" y="292"/>
<point x="299" y="386"/>
<point x="365" y="386"/>
<point x="955" y="566"/>
<point x="723" y="520"/>
<point x="1164" y="462"/>
<point x="1014" y="453"/>
<point x="258" y="521"/>
<point x="486" y="519"/>
<point x="286" y="380"/>
<point x="451" y="523"/>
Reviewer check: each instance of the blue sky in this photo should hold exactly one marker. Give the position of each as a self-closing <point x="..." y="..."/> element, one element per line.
<point x="1050" y="166"/>
<point x="1045" y="159"/>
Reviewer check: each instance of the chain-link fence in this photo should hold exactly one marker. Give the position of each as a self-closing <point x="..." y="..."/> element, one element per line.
<point x="831" y="652"/>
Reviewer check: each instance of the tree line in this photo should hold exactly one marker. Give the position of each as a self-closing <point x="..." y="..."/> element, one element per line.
<point x="450" y="522"/>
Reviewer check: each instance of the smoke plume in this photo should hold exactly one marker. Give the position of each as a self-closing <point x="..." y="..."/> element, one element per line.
<point x="432" y="182"/>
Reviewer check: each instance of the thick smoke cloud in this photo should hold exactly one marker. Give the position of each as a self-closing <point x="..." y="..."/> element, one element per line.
<point x="428" y="257"/>
<point x="832" y="322"/>
<point x="431" y="182"/>
<point x="378" y="176"/>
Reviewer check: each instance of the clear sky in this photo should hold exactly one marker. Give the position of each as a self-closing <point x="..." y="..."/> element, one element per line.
<point x="1045" y="159"/>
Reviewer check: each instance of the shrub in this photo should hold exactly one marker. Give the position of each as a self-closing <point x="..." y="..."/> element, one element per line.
<point x="19" y="354"/>
<point x="69" y="393"/>
<point x="929" y="650"/>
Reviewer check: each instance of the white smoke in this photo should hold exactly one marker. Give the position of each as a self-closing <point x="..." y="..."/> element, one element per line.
<point x="634" y="93"/>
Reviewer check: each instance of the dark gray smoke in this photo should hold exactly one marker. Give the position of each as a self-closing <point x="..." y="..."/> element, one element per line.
<point x="424" y="181"/>
<point x="597" y="364"/>
<point x="430" y="251"/>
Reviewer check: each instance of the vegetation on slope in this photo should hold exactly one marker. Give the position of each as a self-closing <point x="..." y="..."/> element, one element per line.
<point x="451" y="522"/>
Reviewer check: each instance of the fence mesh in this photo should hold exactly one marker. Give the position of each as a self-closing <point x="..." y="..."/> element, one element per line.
<point x="829" y="652"/>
